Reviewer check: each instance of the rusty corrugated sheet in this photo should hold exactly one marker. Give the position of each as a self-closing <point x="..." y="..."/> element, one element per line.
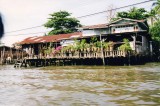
<point x="45" y="39"/>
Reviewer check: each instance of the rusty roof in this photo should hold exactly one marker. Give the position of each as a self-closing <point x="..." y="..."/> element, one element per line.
<point x="51" y="38"/>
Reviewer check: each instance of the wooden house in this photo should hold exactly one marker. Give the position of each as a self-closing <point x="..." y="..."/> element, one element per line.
<point x="136" y="31"/>
<point x="37" y="47"/>
<point x="10" y="54"/>
<point x="125" y="38"/>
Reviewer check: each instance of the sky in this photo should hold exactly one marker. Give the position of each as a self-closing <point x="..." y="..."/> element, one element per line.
<point x="22" y="14"/>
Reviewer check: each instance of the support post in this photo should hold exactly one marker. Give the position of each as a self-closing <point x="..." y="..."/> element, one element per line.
<point x="102" y="54"/>
<point x="151" y="50"/>
<point x="129" y="58"/>
<point x="1" y="55"/>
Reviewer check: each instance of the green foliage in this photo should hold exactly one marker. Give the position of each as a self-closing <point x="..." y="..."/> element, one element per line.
<point x="77" y="46"/>
<point x="67" y="48"/>
<point x="133" y="13"/>
<point x="157" y="6"/>
<point x="97" y="44"/>
<point x="155" y="11"/>
<point x="62" y="23"/>
<point x="155" y="34"/>
<point x="126" y="45"/>
<point x="83" y="44"/>
<point x="107" y="44"/>
<point x="155" y="31"/>
<point x="49" y="49"/>
<point x="93" y="40"/>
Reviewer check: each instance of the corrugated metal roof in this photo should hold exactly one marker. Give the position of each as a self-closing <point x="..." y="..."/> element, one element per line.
<point x="45" y="39"/>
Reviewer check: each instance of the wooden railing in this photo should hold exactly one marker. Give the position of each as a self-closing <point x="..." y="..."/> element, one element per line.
<point x="117" y="53"/>
<point x="85" y="54"/>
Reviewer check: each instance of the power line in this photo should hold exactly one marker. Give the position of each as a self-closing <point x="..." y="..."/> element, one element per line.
<point x="24" y="29"/>
<point x="28" y="33"/>
<point x="82" y="4"/>
<point x="89" y="14"/>
<point x="115" y="8"/>
<point x="37" y="32"/>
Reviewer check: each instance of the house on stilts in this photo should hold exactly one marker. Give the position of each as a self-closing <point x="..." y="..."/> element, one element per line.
<point x="125" y="41"/>
<point x="9" y="55"/>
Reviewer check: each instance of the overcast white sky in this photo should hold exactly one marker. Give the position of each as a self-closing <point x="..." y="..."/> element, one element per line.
<point x="20" y="14"/>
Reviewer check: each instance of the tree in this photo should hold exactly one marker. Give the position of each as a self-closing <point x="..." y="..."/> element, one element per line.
<point x="157" y="6"/>
<point x="155" y="12"/>
<point x="133" y="13"/>
<point x="153" y="15"/>
<point x="155" y="32"/>
<point x="62" y="23"/>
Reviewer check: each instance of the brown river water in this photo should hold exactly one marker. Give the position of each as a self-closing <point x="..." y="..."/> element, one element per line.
<point x="81" y="86"/>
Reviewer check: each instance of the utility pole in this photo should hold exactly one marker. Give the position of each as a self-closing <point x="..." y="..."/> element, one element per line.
<point x="102" y="54"/>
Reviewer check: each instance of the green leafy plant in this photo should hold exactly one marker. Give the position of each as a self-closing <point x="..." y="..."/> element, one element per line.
<point x="67" y="48"/>
<point x="126" y="46"/>
<point x="105" y="45"/>
<point x="83" y="43"/>
<point x="77" y="45"/>
<point x="93" y="40"/>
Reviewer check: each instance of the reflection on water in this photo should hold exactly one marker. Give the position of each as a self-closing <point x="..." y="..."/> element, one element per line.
<point x="72" y="86"/>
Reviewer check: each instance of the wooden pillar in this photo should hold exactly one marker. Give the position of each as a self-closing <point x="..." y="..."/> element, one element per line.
<point x="151" y="49"/>
<point x="129" y="58"/>
<point x="1" y="56"/>
<point x="16" y="54"/>
<point x="39" y="49"/>
<point x="22" y="54"/>
<point x="102" y="54"/>
<point x="11" y="52"/>
<point x="134" y="42"/>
